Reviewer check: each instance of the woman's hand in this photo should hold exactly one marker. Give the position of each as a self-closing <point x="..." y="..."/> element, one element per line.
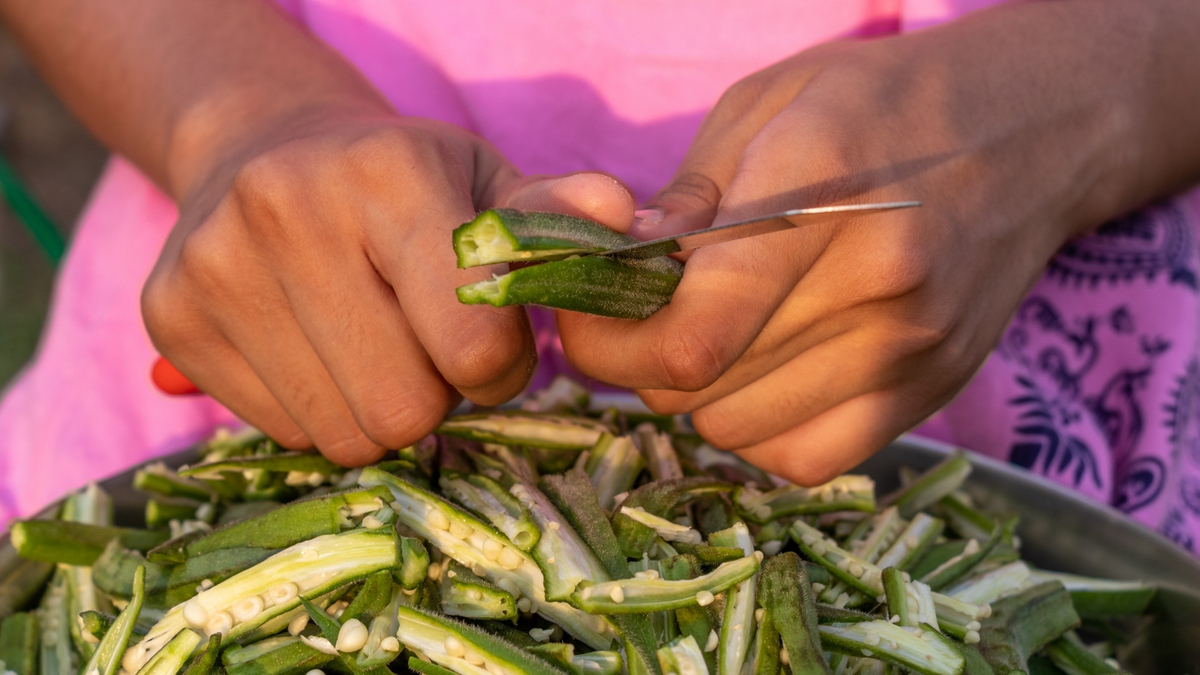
<point x="309" y="284"/>
<point x="805" y="351"/>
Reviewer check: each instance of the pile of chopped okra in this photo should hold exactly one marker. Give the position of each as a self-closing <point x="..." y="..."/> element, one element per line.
<point x="541" y="542"/>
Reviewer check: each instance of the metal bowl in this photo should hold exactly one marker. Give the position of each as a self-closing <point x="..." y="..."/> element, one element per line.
<point x="1059" y="530"/>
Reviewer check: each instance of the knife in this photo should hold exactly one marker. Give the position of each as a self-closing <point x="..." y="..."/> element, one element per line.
<point x="752" y="227"/>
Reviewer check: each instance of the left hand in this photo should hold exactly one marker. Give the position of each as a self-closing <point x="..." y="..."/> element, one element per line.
<point x="806" y="351"/>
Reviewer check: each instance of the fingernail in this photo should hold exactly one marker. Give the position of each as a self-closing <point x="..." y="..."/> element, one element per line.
<point x="652" y="216"/>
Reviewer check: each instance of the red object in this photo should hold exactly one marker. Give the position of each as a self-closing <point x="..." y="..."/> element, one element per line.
<point x="170" y="381"/>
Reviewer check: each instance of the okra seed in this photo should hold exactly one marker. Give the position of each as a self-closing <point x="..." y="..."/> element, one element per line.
<point x="841" y="601"/>
<point x="855" y="569"/>
<point x="895" y="618"/>
<point x="758" y="555"/>
<point x="523" y="605"/>
<point x="971" y="637"/>
<point x="704" y="598"/>
<point x="772" y="547"/>
<point x="493" y="668"/>
<point x="737" y="627"/>
<point x="713" y="641"/>
<point x="817" y="588"/>
<point x="352" y="636"/>
<point x="389" y="644"/>
<point x="620" y="497"/>
<point x="974" y="625"/>
<point x="372" y="523"/>
<point x="540" y="634"/>
<point x="918" y="632"/>
<point x="783" y="656"/>
<point x="826" y="496"/>
<point x="763" y="512"/>
<point x="218" y="622"/>
<point x="194" y="613"/>
<point x="206" y="584"/>
<point x="315" y="671"/>
<point x="509" y="559"/>
<point x="867" y="652"/>
<point x="454" y="647"/>
<point x="759" y="614"/>
<point x="985" y="611"/>
<point x="450" y="574"/>
<point x="550" y="560"/>
<point x="843" y="564"/>
<point x="554" y="525"/>
<point x="437" y="519"/>
<point x="474" y="594"/>
<point x="319" y="643"/>
<point x="911" y="541"/>
<point x="492" y="549"/>
<point x="906" y="577"/>
<point x="93" y="671"/>
<point x="309" y="554"/>
<point x="871" y="639"/>
<point x="617" y="594"/>
<point x="247" y="609"/>
<point x="473" y="659"/>
<point x="297" y="624"/>
<point x="820" y="548"/>
<point x="460" y="530"/>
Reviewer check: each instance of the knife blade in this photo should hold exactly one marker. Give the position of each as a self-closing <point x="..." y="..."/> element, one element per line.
<point x="751" y="227"/>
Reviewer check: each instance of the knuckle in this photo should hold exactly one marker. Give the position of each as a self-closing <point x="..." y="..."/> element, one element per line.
<point x="690" y="361"/>
<point x="693" y="188"/>
<point x="400" y="420"/>
<point x="481" y="356"/>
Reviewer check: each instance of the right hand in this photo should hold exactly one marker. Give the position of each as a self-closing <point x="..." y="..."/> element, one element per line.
<point x="309" y="283"/>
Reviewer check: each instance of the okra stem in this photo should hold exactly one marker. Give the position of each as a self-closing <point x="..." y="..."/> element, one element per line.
<point x="106" y="659"/>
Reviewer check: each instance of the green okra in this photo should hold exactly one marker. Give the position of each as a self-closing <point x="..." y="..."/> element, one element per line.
<point x="1073" y="658"/>
<point x="19" y="641"/>
<point x="737" y="624"/>
<point x="666" y="529"/>
<point x="97" y="624"/>
<point x="958" y="566"/>
<point x="879" y="533"/>
<point x="994" y="584"/>
<point x="467" y="539"/>
<point x="601" y="285"/>
<point x="922" y="649"/>
<point x="426" y="668"/>
<point x="896" y="591"/>
<point x="764" y="655"/>
<point x="71" y="543"/>
<point x="1024" y="623"/>
<point x="507" y="235"/>
<point x="169" y="585"/>
<point x="786" y="595"/>
<point x="709" y="555"/>
<point x="522" y="428"/>
<point x="161" y="513"/>
<point x="684" y="657"/>
<point x="204" y="662"/>
<point x="656" y="446"/>
<point x="284" y="655"/>
<point x="22" y="584"/>
<point x="938" y="555"/>
<point x="930" y="487"/>
<point x="415" y="567"/>
<point x="372" y="598"/>
<point x="1101" y="598"/>
<point x="489" y="499"/>
<point x="465" y="649"/>
<point x="693" y="620"/>
<point x="57" y="653"/>
<point x="963" y="518"/>
<point x="465" y="594"/>
<point x="592" y="663"/>
<point x="306" y="463"/>
<point x="828" y="614"/>
<point x="913" y="542"/>
<point x="573" y="493"/>
<point x="158" y="479"/>
<point x="613" y="465"/>
<point x="637" y="596"/>
<point x="279" y="528"/>
<point x="106" y="659"/>
<point x="170" y="659"/>
<point x="332" y="632"/>
<point x="851" y="570"/>
<point x="844" y="493"/>
<point x="225" y="444"/>
<point x="659" y="498"/>
<point x="565" y="559"/>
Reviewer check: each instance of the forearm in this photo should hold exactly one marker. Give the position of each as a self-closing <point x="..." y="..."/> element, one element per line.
<point x="180" y="86"/>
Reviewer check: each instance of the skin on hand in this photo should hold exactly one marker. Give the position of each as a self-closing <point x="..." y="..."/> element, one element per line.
<point x="806" y="351"/>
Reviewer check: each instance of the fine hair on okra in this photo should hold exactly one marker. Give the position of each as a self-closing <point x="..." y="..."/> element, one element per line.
<point x="544" y="541"/>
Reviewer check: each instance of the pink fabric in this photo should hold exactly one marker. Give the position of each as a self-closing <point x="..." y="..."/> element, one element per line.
<point x="1079" y="390"/>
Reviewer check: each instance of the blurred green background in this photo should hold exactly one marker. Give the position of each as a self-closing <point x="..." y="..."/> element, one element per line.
<point x="58" y="161"/>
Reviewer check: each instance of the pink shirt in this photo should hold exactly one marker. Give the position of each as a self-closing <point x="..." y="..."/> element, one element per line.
<point x="1096" y="384"/>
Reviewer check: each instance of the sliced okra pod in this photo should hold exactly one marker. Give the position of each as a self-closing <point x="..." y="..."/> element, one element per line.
<point x="563" y="396"/>
<point x="640" y="595"/>
<point x="70" y="543"/>
<point x="160" y="480"/>
<point x="415" y="566"/>
<point x="602" y="285"/>
<point x="963" y="518"/>
<point x="659" y="452"/>
<point x="25" y="579"/>
<point x="709" y="555"/>
<point x="737" y="625"/>
<point x="167" y="586"/>
<point x="521" y="428"/>
<point x="991" y="586"/>
<point x="1022" y="624"/>
<point x="683" y="656"/>
<point x="467" y="539"/>
<point x="274" y="587"/>
<point x="787" y="598"/>
<point x="489" y="499"/>
<point x="694" y="620"/>
<point x="382" y="647"/>
<point x="613" y="464"/>
<point x="922" y="649"/>
<point x="565" y="559"/>
<point x="160" y="513"/>
<point x="507" y="235"/>
<point x="591" y="663"/>
<point x="204" y="662"/>
<point x="958" y="566"/>
<point x="57" y="654"/>
<point x="659" y="498"/>
<point x="855" y="572"/>
<point x="1073" y="658"/>
<point x="668" y="530"/>
<point x="898" y="605"/>
<point x="19" y="641"/>
<point x="465" y="594"/>
<point x="170" y="659"/>
<point x="844" y="493"/>
<point x="1100" y="598"/>
<point x="465" y="649"/>
<point x="764" y="654"/>
<point x="106" y="659"/>
<point x="281" y="655"/>
<point x="913" y="542"/>
<point x="880" y="532"/>
<point x="930" y="487"/>
<point x="300" y="465"/>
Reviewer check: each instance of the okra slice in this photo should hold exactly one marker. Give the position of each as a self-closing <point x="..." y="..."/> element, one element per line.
<point x="844" y="493"/>
<point x="912" y="543"/>
<point x="25" y="580"/>
<point x="659" y="452"/>
<point x="160" y="480"/>
<point x="786" y="595"/>
<point x="940" y="480"/>
<point x="764" y="654"/>
<point x="465" y="649"/>
<point x="160" y="513"/>
<point x="170" y="659"/>
<point x="659" y="498"/>
<point x="565" y="560"/>
<point x="467" y="595"/>
<point x="518" y="427"/>
<point x="710" y="555"/>
<point x="301" y="463"/>
<point x="683" y="657"/>
<point x="613" y="465"/>
<point x="737" y="626"/>
<point x="880" y="533"/>
<point x="19" y="636"/>
<point x="601" y="285"/>
<point x="280" y="528"/>
<point x="1101" y="598"/>
<point x="1024" y="623"/>
<point x="896" y="591"/>
<point x="167" y="586"/>
<point x="592" y="663"/>
<point x="995" y="584"/>
<point x="204" y="662"/>
<point x="415" y="565"/>
<point x="855" y="572"/>
<point x="489" y="499"/>
<point x="641" y="595"/>
<point x="382" y="647"/>
<point x="507" y="235"/>
<point x="56" y="654"/>
<point x="70" y="543"/>
<point x="275" y="587"/>
<point x="1073" y="658"/>
<point x="106" y="659"/>
<point x="922" y="649"/>
<point x="664" y="528"/>
<point x="465" y="538"/>
<point x="965" y="519"/>
<point x="958" y="566"/>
